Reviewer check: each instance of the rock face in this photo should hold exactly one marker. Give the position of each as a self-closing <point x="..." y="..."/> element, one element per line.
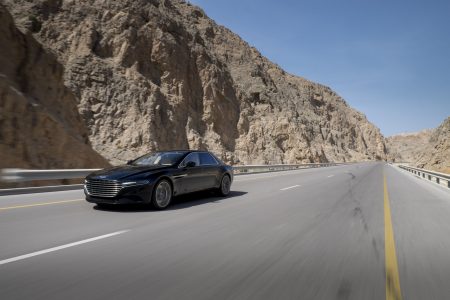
<point x="407" y="147"/>
<point x="429" y="149"/>
<point x="40" y="126"/>
<point x="152" y="75"/>
<point x="437" y="156"/>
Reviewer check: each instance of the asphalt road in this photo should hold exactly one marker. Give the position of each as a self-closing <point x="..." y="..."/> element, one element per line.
<point x="328" y="233"/>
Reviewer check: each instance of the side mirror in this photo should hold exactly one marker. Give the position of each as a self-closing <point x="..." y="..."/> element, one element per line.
<point x="190" y="164"/>
<point x="129" y="162"/>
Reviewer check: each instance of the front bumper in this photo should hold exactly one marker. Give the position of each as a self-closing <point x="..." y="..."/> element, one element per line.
<point x="127" y="195"/>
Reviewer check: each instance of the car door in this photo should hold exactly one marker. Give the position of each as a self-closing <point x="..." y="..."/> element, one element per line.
<point x="190" y="178"/>
<point x="211" y="171"/>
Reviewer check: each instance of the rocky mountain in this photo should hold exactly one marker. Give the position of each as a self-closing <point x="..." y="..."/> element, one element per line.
<point x="40" y="126"/>
<point x="429" y="149"/>
<point x="437" y="156"/>
<point x="159" y="74"/>
<point x="407" y="147"/>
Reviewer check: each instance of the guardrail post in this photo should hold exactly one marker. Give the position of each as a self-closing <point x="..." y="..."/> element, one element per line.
<point x="432" y="176"/>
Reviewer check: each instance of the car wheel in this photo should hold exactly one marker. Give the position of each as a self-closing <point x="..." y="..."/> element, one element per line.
<point x="162" y="194"/>
<point x="225" y="185"/>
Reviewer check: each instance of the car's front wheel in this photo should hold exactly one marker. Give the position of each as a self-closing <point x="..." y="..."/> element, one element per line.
<point x="162" y="194"/>
<point x="225" y="185"/>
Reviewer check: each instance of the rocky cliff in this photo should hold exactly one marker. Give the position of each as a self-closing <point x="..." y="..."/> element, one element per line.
<point x="429" y="149"/>
<point x="437" y="156"/>
<point x="150" y="74"/>
<point x="40" y="126"/>
<point x="407" y="147"/>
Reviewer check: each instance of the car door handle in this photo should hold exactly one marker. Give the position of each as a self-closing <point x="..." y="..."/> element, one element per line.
<point x="180" y="176"/>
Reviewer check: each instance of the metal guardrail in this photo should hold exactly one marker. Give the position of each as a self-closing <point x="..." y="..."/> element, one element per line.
<point x="23" y="175"/>
<point x="439" y="178"/>
<point x="251" y="169"/>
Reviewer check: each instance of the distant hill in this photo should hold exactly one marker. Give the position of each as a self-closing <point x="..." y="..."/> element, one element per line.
<point x="429" y="149"/>
<point x="437" y="156"/>
<point x="407" y="147"/>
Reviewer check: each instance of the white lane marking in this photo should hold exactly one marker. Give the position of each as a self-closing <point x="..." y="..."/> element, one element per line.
<point x="329" y="176"/>
<point x="13" y="259"/>
<point x="289" y="187"/>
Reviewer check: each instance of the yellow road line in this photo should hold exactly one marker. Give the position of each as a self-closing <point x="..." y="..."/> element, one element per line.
<point x="39" y="204"/>
<point x="393" y="291"/>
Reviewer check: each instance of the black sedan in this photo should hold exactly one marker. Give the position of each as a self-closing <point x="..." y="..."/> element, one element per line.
<point x="156" y="177"/>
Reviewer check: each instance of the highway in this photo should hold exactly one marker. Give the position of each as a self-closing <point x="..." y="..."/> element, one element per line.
<point x="360" y="231"/>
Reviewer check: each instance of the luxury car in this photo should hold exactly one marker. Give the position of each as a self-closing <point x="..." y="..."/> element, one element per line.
<point x="156" y="177"/>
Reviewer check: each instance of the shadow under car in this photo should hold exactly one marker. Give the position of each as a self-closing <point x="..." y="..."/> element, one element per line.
<point x="178" y="202"/>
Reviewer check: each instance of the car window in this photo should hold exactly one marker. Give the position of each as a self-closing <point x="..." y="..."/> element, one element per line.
<point x="191" y="157"/>
<point x="219" y="161"/>
<point x="207" y="160"/>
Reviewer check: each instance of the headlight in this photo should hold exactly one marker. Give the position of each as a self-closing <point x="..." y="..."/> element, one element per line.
<point x="137" y="182"/>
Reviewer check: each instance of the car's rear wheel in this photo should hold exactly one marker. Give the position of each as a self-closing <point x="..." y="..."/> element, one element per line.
<point x="162" y="194"/>
<point x="225" y="185"/>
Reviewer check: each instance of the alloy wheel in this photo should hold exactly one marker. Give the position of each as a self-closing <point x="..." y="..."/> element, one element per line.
<point x="163" y="194"/>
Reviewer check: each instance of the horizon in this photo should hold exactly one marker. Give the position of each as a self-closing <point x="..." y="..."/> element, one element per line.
<point x="388" y="71"/>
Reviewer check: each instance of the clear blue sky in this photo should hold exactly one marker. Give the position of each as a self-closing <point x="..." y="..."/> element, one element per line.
<point x="388" y="59"/>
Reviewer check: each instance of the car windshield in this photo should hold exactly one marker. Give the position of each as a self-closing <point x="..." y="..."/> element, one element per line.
<point x="159" y="159"/>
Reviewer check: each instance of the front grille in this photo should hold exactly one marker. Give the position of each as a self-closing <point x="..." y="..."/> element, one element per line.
<point x="103" y="188"/>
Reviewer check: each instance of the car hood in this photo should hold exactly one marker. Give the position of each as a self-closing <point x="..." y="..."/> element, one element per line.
<point x="123" y="172"/>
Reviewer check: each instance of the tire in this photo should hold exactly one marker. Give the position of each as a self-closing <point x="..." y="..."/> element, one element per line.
<point x="225" y="186"/>
<point x="162" y="194"/>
